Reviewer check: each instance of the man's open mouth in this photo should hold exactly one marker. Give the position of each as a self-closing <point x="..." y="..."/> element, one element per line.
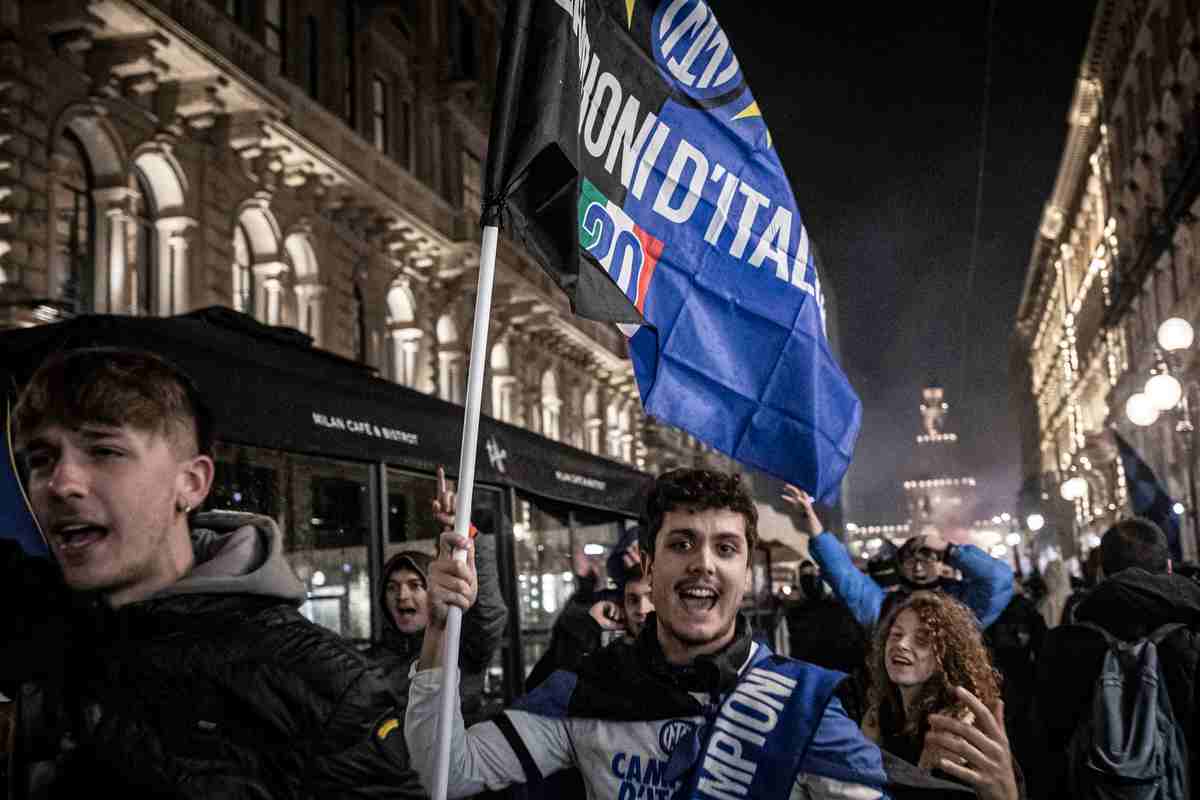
<point x="406" y="612"/>
<point x="75" y="536"/>
<point x="902" y="661"/>
<point x="698" y="599"/>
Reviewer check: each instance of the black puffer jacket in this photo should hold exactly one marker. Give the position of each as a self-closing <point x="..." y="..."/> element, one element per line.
<point x="216" y="687"/>
<point x="1129" y="605"/>
<point x="483" y="629"/>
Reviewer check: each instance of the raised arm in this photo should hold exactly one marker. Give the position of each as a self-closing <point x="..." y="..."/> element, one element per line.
<point x="987" y="584"/>
<point x="489" y="755"/>
<point x="861" y="595"/>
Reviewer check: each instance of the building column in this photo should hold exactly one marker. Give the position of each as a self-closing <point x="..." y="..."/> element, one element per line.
<point x="309" y="305"/>
<point x="111" y="288"/>
<point x="173" y="277"/>
<point x="405" y="346"/>
<point x="268" y="282"/>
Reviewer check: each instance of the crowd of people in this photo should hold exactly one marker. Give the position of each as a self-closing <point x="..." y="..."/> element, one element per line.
<point x="161" y="652"/>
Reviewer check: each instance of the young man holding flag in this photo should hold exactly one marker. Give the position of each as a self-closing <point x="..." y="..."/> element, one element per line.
<point x="695" y="703"/>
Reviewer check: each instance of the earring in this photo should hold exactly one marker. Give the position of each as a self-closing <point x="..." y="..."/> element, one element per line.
<point x="185" y="509"/>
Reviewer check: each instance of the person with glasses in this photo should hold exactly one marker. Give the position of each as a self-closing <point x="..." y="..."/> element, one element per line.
<point x="986" y="586"/>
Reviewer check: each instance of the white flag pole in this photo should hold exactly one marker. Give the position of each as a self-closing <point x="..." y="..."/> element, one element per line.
<point x="462" y="508"/>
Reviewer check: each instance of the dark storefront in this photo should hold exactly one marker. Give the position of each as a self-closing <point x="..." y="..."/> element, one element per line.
<point x="345" y="462"/>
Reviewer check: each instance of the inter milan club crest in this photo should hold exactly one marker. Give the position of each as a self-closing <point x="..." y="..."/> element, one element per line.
<point x="672" y="732"/>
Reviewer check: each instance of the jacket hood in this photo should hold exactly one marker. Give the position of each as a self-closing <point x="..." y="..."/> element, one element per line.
<point x="238" y="553"/>
<point x="394" y="639"/>
<point x="1134" y="602"/>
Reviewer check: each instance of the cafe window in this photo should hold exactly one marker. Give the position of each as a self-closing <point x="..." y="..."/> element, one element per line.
<point x="554" y="547"/>
<point x="322" y="507"/>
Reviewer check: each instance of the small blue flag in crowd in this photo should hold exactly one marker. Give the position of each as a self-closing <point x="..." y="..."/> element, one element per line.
<point x="16" y="519"/>
<point x="1148" y="497"/>
<point x="642" y="176"/>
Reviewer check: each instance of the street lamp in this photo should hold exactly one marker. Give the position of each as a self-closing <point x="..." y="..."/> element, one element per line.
<point x="1164" y="392"/>
<point x="1175" y="334"/>
<point x="1141" y="410"/>
<point x="1035" y="522"/>
<point x="1073" y="488"/>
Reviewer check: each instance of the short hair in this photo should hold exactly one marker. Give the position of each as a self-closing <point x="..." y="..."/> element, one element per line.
<point x="1134" y="542"/>
<point x="115" y="386"/>
<point x="697" y="490"/>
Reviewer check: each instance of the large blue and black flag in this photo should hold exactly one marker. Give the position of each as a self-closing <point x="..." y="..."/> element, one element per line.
<point x="16" y="519"/>
<point x="1148" y="497"/>
<point x="636" y="166"/>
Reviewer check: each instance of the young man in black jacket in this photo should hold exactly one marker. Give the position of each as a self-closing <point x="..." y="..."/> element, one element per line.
<point x="1137" y="593"/>
<point x="161" y="655"/>
<point x="404" y="601"/>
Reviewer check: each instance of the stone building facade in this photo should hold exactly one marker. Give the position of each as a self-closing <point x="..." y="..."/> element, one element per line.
<point x="313" y="164"/>
<point x="1115" y="255"/>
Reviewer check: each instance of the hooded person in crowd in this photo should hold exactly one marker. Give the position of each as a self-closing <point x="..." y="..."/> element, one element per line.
<point x="161" y="653"/>
<point x="404" y="601"/>
<point x="1137" y="593"/>
<point x="986" y="587"/>
<point x="660" y="716"/>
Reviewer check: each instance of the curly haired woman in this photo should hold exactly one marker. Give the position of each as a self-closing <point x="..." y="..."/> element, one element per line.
<point x="934" y="697"/>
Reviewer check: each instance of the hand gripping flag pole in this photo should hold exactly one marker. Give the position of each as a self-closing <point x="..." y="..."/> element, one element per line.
<point x="516" y="28"/>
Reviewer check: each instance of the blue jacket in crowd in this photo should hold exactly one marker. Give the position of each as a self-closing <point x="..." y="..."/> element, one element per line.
<point x="986" y="587"/>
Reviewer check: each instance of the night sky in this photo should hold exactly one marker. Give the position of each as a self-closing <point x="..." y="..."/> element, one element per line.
<point x="876" y="113"/>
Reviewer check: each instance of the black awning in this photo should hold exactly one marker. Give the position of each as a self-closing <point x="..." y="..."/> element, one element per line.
<point x="269" y="388"/>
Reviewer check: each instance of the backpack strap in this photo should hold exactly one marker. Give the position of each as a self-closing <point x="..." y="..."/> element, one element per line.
<point x="1162" y="632"/>
<point x="1109" y="639"/>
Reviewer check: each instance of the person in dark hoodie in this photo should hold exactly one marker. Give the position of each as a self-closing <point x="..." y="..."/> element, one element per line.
<point x="162" y="653"/>
<point x="1136" y="594"/>
<point x="986" y="587"/>
<point x="404" y="601"/>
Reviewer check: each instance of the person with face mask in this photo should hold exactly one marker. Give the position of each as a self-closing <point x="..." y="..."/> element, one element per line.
<point x="986" y="586"/>
<point x="934" y="696"/>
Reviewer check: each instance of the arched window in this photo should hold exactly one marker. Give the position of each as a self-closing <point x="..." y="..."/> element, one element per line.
<point x="270" y="279"/>
<point x="158" y="260"/>
<point x="404" y="337"/>
<point x="450" y="361"/>
<point x="593" y="423"/>
<point x="308" y="288"/>
<point x="74" y="224"/>
<point x="504" y="384"/>
<point x="612" y="427"/>
<point x="551" y="405"/>
<point x="243" y="275"/>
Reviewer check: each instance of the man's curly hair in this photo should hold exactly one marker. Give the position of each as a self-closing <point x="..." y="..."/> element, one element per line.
<point x="962" y="660"/>
<point x="697" y="490"/>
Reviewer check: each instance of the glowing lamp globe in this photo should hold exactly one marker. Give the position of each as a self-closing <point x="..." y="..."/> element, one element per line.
<point x="1013" y="539"/>
<point x="1164" y="391"/>
<point x="1035" y="522"/>
<point x="1073" y="488"/>
<point x="1140" y="410"/>
<point x="1175" y="334"/>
